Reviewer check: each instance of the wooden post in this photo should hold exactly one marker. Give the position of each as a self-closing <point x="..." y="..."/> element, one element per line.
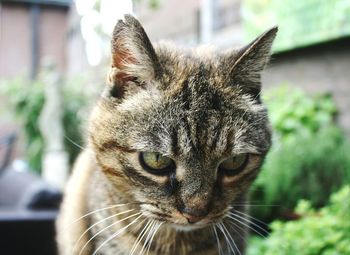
<point x="55" y="159"/>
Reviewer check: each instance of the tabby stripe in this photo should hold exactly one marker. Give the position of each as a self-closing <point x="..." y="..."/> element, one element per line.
<point x="113" y="145"/>
<point x="187" y="128"/>
<point x="229" y="141"/>
<point x="136" y="177"/>
<point x="249" y="176"/>
<point x="186" y="95"/>
<point x="215" y="140"/>
<point x="111" y="171"/>
<point x="174" y="142"/>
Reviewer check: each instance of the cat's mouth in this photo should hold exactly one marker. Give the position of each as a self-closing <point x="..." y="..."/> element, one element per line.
<point x="187" y="227"/>
<point x="181" y="223"/>
<point x="203" y="223"/>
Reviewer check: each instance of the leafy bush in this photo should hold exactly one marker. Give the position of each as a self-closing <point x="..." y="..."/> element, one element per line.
<point x="293" y="112"/>
<point x="27" y="101"/>
<point x="323" y="232"/>
<point x="309" y="158"/>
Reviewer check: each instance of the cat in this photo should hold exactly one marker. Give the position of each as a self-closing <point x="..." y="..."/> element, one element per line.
<point x="175" y="141"/>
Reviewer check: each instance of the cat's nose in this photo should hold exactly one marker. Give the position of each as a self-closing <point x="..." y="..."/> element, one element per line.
<point x="194" y="215"/>
<point x="192" y="218"/>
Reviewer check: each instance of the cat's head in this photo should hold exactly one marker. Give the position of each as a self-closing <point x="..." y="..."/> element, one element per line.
<point x="181" y="132"/>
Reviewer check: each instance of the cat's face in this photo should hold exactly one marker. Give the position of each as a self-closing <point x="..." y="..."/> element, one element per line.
<point x="179" y="133"/>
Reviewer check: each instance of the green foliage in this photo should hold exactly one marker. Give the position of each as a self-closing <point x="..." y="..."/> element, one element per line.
<point x="27" y="100"/>
<point x="292" y="111"/>
<point x="300" y="23"/>
<point x="153" y="4"/>
<point x="309" y="158"/>
<point x="323" y="232"/>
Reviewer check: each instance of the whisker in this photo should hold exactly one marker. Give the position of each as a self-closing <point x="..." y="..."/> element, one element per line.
<point x="76" y="144"/>
<point x="99" y="232"/>
<point x="247" y="225"/>
<point x="217" y="239"/>
<point x="228" y="243"/>
<point x="251" y="217"/>
<point x="253" y="201"/>
<point x="145" y="243"/>
<point x="255" y="205"/>
<point x="257" y="232"/>
<point x="233" y="226"/>
<point x="140" y="236"/>
<point x="136" y="227"/>
<point x="100" y="221"/>
<point x="231" y="238"/>
<point x="150" y="242"/>
<point x="116" y="234"/>
<point x="251" y="222"/>
<point x="95" y="211"/>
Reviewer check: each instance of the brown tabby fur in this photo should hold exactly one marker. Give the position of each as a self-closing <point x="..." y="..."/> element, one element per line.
<point x="196" y="107"/>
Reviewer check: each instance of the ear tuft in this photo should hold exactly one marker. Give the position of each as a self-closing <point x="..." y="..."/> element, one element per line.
<point x="249" y="61"/>
<point x="133" y="56"/>
<point x="256" y="54"/>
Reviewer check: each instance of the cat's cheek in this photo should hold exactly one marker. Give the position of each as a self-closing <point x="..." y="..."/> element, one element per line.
<point x="108" y="162"/>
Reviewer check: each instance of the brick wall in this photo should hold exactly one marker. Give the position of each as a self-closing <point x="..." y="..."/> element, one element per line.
<point x="16" y="33"/>
<point x="323" y="68"/>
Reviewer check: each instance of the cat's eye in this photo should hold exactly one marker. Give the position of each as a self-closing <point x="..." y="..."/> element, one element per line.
<point x="156" y="163"/>
<point x="235" y="164"/>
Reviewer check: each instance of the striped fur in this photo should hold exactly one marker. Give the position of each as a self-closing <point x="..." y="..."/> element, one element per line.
<point x="196" y="108"/>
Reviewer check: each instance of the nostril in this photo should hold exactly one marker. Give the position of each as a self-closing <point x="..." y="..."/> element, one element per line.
<point x="194" y="215"/>
<point x="191" y="218"/>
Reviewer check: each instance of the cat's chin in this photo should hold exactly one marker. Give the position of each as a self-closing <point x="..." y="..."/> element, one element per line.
<point x="186" y="227"/>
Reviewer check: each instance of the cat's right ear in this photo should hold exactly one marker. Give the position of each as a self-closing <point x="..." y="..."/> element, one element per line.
<point x="247" y="64"/>
<point x="134" y="60"/>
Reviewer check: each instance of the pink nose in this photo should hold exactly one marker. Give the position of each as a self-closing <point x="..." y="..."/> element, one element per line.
<point x="192" y="218"/>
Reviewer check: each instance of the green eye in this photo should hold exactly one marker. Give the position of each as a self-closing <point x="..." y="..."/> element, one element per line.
<point x="235" y="164"/>
<point x="155" y="163"/>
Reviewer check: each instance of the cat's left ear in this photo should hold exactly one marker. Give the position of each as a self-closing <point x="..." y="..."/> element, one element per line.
<point x="134" y="61"/>
<point x="249" y="61"/>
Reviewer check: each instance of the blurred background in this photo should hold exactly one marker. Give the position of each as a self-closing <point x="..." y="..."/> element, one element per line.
<point x="54" y="57"/>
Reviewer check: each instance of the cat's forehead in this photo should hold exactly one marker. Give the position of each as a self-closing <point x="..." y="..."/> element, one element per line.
<point x="199" y="64"/>
<point x="195" y="119"/>
<point x="197" y="79"/>
<point x="201" y="88"/>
